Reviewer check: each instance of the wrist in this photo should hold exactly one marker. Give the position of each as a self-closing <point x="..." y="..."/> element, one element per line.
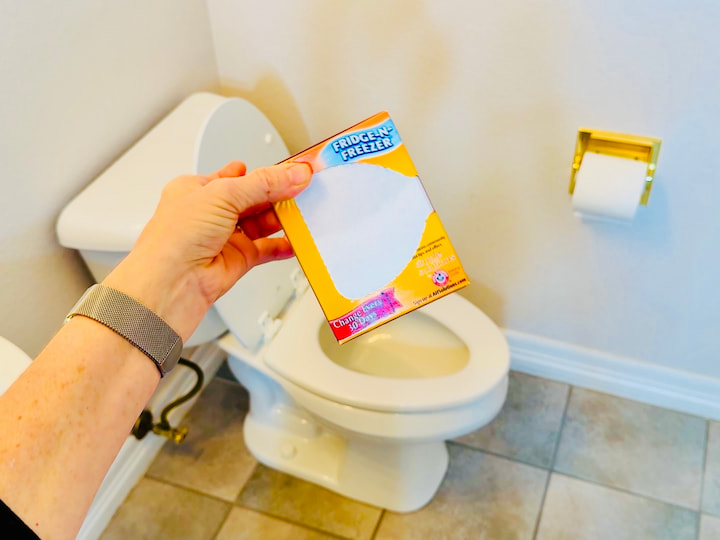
<point x="132" y="320"/>
<point x="162" y="287"/>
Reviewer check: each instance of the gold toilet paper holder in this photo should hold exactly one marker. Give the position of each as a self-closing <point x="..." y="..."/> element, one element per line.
<point x="620" y="145"/>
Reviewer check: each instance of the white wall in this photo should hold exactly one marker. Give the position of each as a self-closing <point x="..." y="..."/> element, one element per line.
<point x="80" y="81"/>
<point x="488" y="97"/>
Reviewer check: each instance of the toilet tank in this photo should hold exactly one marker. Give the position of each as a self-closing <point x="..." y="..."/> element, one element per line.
<point x="201" y="135"/>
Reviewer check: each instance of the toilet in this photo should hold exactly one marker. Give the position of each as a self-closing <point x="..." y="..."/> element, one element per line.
<point x="367" y="419"/>
<point x="13" y="361"/>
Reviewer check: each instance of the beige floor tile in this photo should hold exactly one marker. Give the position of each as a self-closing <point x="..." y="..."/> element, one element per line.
<point x="157" y="510"/>
<point x="244" y="524"/>
<point x="213" y="459"/>
<point x="709" y="527"/>
<point x="279" y="494"/>
<point x="528" y="426"/>
<point x="711" y="483"/>
<point x="577" y="509"/>
<point x="634" y="446"/>
<point x="482" y="496"/>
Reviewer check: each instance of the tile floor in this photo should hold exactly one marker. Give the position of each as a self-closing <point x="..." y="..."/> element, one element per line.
<point x="559" y="462"/>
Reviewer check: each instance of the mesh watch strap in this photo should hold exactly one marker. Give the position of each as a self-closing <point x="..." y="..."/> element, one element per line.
<point x="133" y="321"/>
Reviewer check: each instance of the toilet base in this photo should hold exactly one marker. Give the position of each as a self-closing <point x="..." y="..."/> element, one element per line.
<point x="398" y="477"/>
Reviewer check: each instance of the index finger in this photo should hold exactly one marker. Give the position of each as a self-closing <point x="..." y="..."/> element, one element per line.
<point x="234" y="168"/>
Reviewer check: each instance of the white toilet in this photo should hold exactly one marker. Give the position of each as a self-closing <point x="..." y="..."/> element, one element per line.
<point x="367" y="419"/>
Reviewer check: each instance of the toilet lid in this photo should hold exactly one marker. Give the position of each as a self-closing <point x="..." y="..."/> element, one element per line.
<point x="296" y="355"/>
<point x="259" y="296"/>
<point x="236" y="129"/>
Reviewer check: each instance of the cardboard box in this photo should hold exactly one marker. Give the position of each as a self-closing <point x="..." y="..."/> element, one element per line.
<point x="365" y="233"/>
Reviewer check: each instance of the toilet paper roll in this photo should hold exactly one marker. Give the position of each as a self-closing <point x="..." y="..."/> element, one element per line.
<point x="608" y="187"/>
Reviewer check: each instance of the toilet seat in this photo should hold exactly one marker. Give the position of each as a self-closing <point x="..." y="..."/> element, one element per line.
<point x="487" y="366"/>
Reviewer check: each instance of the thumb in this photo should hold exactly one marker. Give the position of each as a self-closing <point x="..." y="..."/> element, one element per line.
<point x="267" y="185"/>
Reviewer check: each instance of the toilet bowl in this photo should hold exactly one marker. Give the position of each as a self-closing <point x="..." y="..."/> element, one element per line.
<point x="367" y="419"/>
<point x="373" y="433"/>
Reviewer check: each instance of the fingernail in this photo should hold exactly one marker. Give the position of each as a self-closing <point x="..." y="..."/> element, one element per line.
<point x="300" y="173"/>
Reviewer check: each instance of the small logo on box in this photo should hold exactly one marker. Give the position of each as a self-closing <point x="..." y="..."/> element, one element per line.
<point x="440" y="278"/>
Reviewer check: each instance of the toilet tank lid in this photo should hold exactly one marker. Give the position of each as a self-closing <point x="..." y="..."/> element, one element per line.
<point x="203" y="134"/>
<point x="110" y="213"/>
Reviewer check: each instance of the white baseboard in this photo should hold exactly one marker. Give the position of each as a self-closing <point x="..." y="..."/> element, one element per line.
<point x="136" y="456"/>
<point x="624" y="377"/>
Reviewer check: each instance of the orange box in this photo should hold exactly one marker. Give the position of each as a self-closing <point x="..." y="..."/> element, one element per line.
<point x="365" y="233"/>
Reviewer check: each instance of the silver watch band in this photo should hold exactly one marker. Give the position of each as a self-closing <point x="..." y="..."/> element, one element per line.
<point x="133" y="321"/>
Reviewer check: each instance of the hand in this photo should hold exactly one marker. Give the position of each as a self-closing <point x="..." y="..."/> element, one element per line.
<point x="206" y="233"/>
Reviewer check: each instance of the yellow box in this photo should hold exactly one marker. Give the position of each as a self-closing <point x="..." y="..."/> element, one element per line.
<point x="365" y="232"/>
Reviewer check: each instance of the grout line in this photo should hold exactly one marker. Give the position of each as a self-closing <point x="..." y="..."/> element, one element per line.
<point x="237" y="503"/>
<point x="552" y="463"/>
<point x="570" y="475"/>
<point x="621" y="489"/>
<point x="222" y="522"/>
<point x="627" y="491"/>
<point x="247" y="480"/>
<point x="704" y="464"/>
<point x="495" y="454"/>
<point x="377" y="525"/>
<point x="195" y="492"/>
<point x="186" y="488"/>
<point x="291" y="522"/>
<point x="702" y="476"/>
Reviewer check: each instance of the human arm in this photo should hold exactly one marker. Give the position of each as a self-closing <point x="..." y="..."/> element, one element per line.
<point x="66" y="417"/>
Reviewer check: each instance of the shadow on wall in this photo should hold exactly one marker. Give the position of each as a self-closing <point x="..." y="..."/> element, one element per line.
<point x="354" y="78"/>
<point x="404" y="68"/>
<point x="275" y="101"/>
<point x="408" y="69"/>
